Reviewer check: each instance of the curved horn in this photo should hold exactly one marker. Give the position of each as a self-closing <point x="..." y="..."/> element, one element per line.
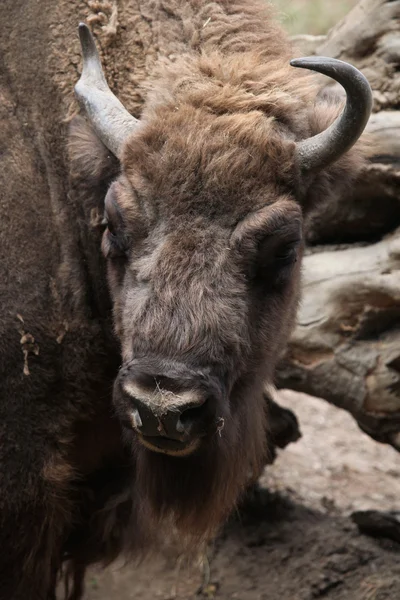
<point x="110" y="120"/>
<point x="323" y="149"/>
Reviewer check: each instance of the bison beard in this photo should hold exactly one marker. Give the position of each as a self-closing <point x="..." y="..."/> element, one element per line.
<point x="196" y="493"/>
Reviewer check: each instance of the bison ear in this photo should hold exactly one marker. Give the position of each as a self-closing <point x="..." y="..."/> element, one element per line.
<point x="336" y="180"/>
<point x="91" y="163"/>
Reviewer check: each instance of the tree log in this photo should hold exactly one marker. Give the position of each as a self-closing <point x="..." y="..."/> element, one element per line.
<point x="372" y="208"/>
<point x="369" y="38"/>
<point x="346" y="346"/>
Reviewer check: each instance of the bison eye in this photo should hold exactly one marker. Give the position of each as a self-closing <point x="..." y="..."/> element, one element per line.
<point x="110" y="227"/>
<point x="274" y="262"/>
<point x="114" y="244"/>
<point x="287" y="255"/>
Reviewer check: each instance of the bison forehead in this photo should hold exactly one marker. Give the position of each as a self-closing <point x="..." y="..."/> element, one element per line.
<point x="217" y="165"/>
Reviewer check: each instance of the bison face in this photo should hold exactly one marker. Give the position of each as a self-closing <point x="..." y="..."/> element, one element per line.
<point x="203" y="298"/>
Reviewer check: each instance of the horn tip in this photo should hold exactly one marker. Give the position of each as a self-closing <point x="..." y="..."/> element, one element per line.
<point x="87" y="42"/>
<point x="306" y="61"/>
<point x="83" y="30"/>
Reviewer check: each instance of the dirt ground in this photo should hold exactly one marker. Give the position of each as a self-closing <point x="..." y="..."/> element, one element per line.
<point x="293" y="539"/>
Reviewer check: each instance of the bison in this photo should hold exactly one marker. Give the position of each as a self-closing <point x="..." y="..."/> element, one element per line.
<point x="186" y="225"/>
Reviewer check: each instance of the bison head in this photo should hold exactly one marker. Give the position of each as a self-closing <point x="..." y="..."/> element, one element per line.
<point x="203" y="242"/>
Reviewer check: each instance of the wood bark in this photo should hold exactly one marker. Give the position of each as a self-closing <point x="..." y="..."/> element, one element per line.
<point x="346" y="346"/>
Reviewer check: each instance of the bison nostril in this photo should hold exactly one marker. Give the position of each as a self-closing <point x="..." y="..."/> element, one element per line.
<point x="193" y="414"/>
<point x="196" y="415"/>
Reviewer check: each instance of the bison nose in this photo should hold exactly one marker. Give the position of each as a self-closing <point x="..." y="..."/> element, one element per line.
<point x="174" y="418"/>
<point x="178" y="422"/>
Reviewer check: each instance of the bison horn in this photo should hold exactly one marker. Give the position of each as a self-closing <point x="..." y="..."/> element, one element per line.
<point x="110" y="120"/>
<point x="323" y="149"/>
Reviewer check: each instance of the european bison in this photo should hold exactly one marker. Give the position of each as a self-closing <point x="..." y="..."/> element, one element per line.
<point x="200" y="205"/>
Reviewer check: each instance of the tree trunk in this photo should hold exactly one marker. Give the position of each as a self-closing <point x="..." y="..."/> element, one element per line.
<point x="346" y="347"/>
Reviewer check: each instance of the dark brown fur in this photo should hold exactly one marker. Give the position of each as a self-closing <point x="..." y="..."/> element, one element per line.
<point x="210" y="174"/>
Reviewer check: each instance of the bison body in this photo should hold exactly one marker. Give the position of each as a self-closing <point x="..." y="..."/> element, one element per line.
<point x="122" y="411"/>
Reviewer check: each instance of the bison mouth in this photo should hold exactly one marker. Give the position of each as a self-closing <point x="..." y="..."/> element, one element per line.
<point x="169" y="446"/>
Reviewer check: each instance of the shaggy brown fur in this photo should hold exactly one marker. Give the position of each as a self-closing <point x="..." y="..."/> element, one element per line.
<point x="206" y="207"/>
